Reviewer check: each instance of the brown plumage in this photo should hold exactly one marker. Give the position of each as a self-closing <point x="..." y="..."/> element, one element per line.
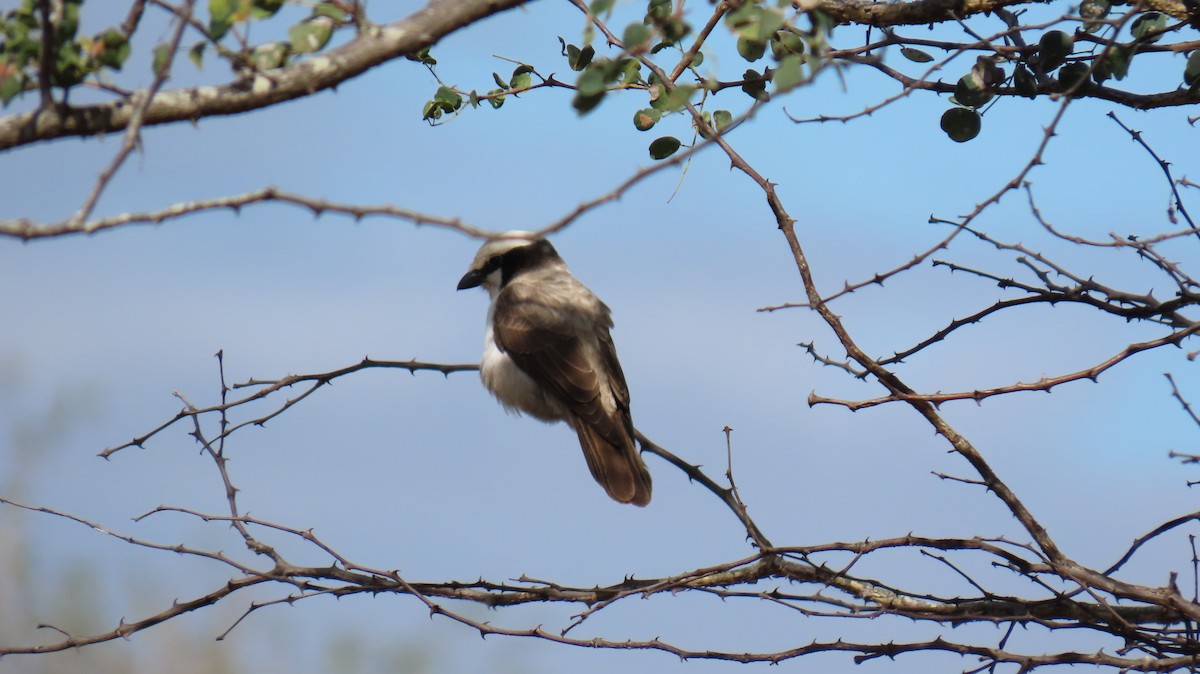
<point x="554" y="357"/>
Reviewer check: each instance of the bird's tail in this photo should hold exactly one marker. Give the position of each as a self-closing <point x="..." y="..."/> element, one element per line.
<point x="618" y="468"/>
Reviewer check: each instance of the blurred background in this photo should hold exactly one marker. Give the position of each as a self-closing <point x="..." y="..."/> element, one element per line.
<point x="427" y="474"/>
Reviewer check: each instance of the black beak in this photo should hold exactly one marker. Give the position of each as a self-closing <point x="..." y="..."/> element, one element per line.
<point x="471" y="279"/>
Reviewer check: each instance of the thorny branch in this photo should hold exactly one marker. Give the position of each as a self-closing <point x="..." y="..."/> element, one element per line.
<point x="1043" y="585"/>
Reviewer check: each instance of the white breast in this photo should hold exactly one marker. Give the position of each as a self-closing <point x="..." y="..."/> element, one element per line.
<point x="511" y="386"/>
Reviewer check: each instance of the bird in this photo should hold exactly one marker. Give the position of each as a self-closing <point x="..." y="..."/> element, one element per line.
<point x="548" y="353"/>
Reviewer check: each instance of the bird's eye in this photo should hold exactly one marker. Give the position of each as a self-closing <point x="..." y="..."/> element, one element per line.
<point x="494" y="262"/>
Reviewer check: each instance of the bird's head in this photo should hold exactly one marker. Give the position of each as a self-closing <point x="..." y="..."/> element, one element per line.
<point x="501" y="258"/>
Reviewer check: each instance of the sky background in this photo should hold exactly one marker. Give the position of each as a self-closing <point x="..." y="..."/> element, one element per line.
<point x="428" y="475"/>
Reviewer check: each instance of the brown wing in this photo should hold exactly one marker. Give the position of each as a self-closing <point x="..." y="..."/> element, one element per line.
<point x="568" y="351"/>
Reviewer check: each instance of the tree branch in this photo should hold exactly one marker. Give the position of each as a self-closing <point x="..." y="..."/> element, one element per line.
<point x="371" y="47"/>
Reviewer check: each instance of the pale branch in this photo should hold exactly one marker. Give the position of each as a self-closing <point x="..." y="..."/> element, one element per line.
<point x="1149" y="536"/>
<point x="268" y="386"/>
<point x="304" y="534"/>
<point x="871" y="597"/>
<point x="1044" y="384"/>
<point x="217" y="454"/>
<point x="955" y="324"/>
<point x="862" y="596"/>
<point x="963" y="223"/>
<point x="127" y="629"/>
<point x="701" y="37"/>
<point x="1169" y="99"/>
<point x="811" y="349"/>
<point x="1182" y="401"/>
<point x="1162" y="164"/>
<point x="264" y="388"/>
<point x="372" y="46"/>
<point x="46" y="62"/>
<point x="106" y="531"/>
<point x="1063" y="565"/>
<point x="26" y="229"/>
<point x="724" y="493"/>
<point x="131" y="139"/>
<point x="920" y="12"/>
<point x="1128" y="305"/>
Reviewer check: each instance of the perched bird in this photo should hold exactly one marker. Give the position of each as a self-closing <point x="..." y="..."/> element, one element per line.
<point x="548" y="353"/>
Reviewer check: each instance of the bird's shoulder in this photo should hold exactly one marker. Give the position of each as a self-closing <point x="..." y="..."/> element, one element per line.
<point x="551" y="300"/>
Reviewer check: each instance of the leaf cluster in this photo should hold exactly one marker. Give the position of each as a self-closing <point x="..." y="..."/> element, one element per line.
<point x="1057" y="63"/>
<point x="45" y="46"/>
<point x="308" y="36"/>
<point x="641" y="59"/>
<point x="42" y="48"/>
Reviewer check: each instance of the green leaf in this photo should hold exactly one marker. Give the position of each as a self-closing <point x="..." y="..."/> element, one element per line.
<point x="162" y="57"/>
<point x="585" y="103"/>
<point x="12" y="81"/>
<point x="221" y="16"/>
<point x="718" y="121"/>
<point x="593" y="80"/>
<point x="311" y="35"/>
<point x="1053" y="49"/>
<point x="961" y="124"/>
<point x="196" y="54"/>
<point x="68" y="21"/>
<point x="110" y="49"/>
<point x="744" y="16"/>
<point x="755" y="22"/>
<point x="1115" y="63"/>
<point x="499" y="80"/>
<point x="1149" y="24"/>
<point x="636" y="37"/>
<point x="1093" y="13"/>
<point x="751" y="50"/>
<point x="599" y="7"/>
<point x="988" y="72"/>
<point x="631" y="71"/>
<point x="579" y="58"/>
<point x="496" y="98"/>
<point x="69" y="64"/>
<point x="980" y="85"/>
<point x="659" y="10"/>
<point x="1024" y="82"/>
<point x="1073" y="74"/>
<point x="702" y="129"/>
<point x="674" y="29"/>
<point x="264" y="9"/>
<point x="1191" y="72"/>
<point x="270" y="55"/>
<point x="785" y="43"/>
<point x="915" y="55"/>
<point x="646" y="118"/>
<point x="422" y="56"/>
<point x="971" y="92"/>
<point x="755" y="85"/>
<point x="790" y="74"/>
<point x="664" y="147"/>
<point x="592" y="84"/>
<point x="450" y="99"/>
<point x="672" y="99"/>
<point x="521" y="80"/>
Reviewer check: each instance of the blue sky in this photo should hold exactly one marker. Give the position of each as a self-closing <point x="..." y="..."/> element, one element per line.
<point x="427" y="474"/>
